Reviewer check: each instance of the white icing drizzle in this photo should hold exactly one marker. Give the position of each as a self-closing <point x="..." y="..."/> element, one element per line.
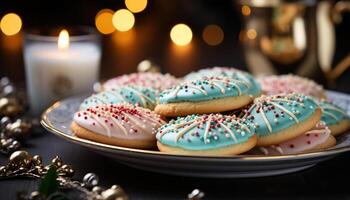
<point x="207" y="130"/>
<point x="277" y="148"/>
<point x="229" y="131"/>
<point x="96" y="97"/>
<point x="245" y="128"/>
<point x="330" y="114"/>
<point x="109" y="115"/>
<point x="265" y="119"/>
<point x="141" y="96"/>
<point x="176" y="90"/>
<point x="218" y="86"/>
<point x="116" y="94"/>
<point x="288" y="101"/>
<point x="136" y="122"/>
<point x="264" y="150"/>
<point x="334" y="109"/>
<point x="286" y="111"/>
<point x="119" y="125"/>
<point x="195" y="87"/>
<point x="183" y="131"/>
<point x="103" y="124"/>
<point x="232" y="82"/>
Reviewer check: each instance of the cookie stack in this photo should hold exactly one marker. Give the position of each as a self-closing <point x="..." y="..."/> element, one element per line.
<point x="218" y="111"/>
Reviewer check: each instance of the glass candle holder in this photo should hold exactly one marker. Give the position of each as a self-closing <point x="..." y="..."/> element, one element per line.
<point x="60" y="63"/>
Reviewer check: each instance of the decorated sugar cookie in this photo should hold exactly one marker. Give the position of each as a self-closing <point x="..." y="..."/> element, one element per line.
<point x="254" y="90"/>
<point x="318" y="138"/>
<point x="154" y="80"/>
<point x="279" y="118"/>
<point x="205" y="95"/>
<point x="212" y="134"/>
<point x="135" y="95"/>
<point x="335" y="117"/>
<point x="290" y="83"/>
<point x="118" y="124"/>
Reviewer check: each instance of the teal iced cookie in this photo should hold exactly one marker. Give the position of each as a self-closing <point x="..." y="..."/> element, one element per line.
<point x="135" y="95"/>
<point x="205" y="95"/>
<point x="275" y="116"/>
<point x="206" y="88"/>
<point x="205" y="132"/>
<point x="335" y="117"/>
<point x="254" y="90"/>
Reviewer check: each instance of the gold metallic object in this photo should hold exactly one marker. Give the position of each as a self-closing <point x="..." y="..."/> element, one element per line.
<point x="20" y="159"/>
<point x="9" y="106"/>
<point x="291" y="36"/>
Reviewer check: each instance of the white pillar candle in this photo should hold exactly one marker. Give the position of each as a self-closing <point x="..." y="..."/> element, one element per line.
<point x="53" y="73"/>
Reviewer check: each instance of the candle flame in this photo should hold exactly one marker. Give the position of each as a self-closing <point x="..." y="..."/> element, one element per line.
<point x="63" y="39"/>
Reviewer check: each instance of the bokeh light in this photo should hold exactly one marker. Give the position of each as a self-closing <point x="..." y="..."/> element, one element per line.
<point x="136" y="6"/>
<point x="123" y="20"/>
<point x="246" y="10"/>
<point x="10" y="24"/>
<point x="251" y="34"/>
<point x="181" y="34"/>
<point x="103" y="21"/>
<point x="213" y="35"/>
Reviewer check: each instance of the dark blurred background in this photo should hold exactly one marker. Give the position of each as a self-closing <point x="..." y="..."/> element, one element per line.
<point x="149" y="38"/>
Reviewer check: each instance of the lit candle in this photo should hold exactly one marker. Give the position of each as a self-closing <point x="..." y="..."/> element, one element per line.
<point x="59" y="69"/>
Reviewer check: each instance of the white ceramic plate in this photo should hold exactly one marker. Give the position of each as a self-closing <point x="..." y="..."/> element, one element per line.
<point x="58" y="117"/>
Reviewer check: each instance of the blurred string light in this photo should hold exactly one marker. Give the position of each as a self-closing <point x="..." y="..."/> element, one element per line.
<point x="246" y="10"/>
<point x="181" y="34"/>
<point x="213" y="35"/>
<point x="136" y="6"/>
<point x="10" y="24"/>
<point x="123" y="20"/>
<point x="103" y="21"/>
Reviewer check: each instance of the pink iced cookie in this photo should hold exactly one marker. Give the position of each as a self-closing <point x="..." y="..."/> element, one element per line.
<point x="290" y="83"/>
<point x="118" y="124"/>
<point x="152" y="80"/>
<point x="316" y="139"/>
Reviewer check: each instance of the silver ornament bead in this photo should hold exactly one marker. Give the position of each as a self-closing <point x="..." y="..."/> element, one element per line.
<point x="35" y="195"/>
<point x="37" y="160"/>
<point x="65" y="170"/>
<point x="57" y="162"/>
<point x="4" y="121"/>
<point x="90" y="180"/>
<point x="19" y="129"/>
<point x="13" y="146"/>
<point x="3" y="170"/>
<point x="196" y="194"/>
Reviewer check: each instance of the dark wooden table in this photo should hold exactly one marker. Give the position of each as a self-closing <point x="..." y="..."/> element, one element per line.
<point x="328" y="180"/>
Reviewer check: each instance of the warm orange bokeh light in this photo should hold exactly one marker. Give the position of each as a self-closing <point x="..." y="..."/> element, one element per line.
<point x="10" y="24"/>
<point x="251" y="34"/>
<point x="213" y="35"/>
<point x="181" y="34"/>
<point x="103" y="21"/>
<point x="123" y="20"/>
<point x="136" y="6"/>
<point x="246" y="10"/>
